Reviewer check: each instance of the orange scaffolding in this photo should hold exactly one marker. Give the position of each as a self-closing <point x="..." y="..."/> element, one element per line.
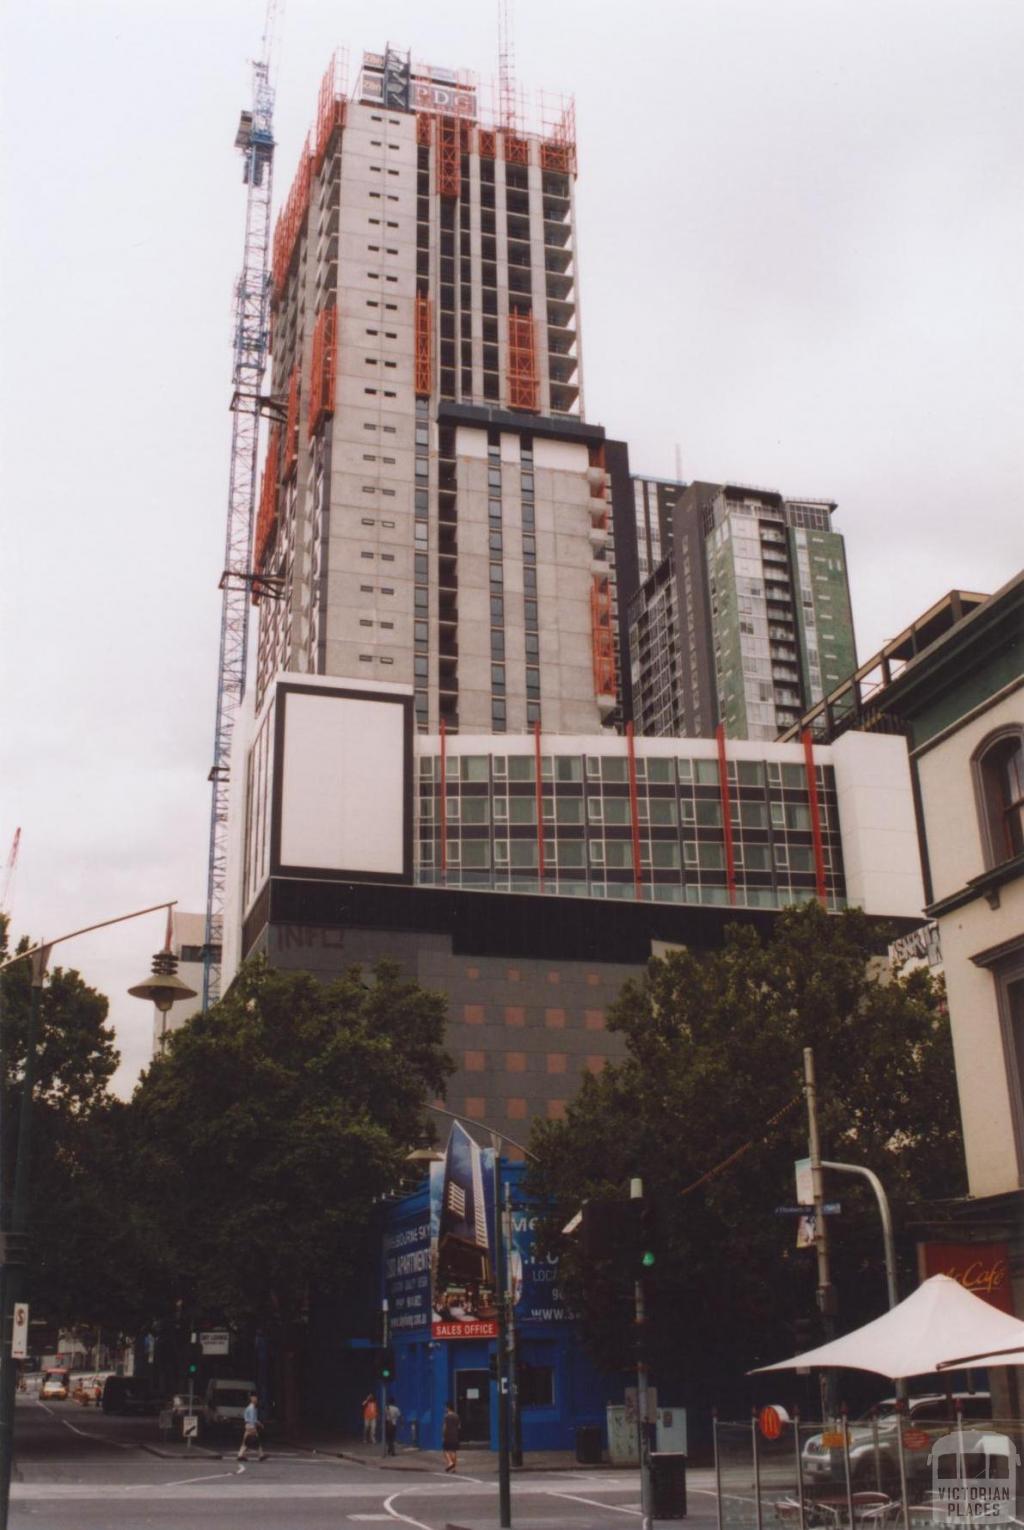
<point x="423" y="339"/>
<point x="322" y="371"/>
<point x="291" y="427"/>
<point x="448" y="156"/>
<point x="516" y="149"/>
<point x="602" y="636"/>
<point x="523" y="382"/>
<point x="266" y="519"/>
<point x="487" y="143"/>
<point x="424" y="129"/>
<point x="331" y="111"/>
<point x="290" y="221"/>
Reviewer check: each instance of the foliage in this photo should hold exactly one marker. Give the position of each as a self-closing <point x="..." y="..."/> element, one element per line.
<point x="77" y="1219"/>
<point x="271" y="1126"/>
<point x="713" y="1051"/>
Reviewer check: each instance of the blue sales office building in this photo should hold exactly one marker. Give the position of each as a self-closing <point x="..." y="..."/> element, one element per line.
<point x="437" y="1280"/>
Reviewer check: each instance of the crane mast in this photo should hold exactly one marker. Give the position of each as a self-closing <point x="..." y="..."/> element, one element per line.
<point x="255" y="141"/>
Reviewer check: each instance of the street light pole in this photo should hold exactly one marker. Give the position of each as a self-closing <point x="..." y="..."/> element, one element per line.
<point x="15" y="1217"/>
<point x="504" y="1463"/>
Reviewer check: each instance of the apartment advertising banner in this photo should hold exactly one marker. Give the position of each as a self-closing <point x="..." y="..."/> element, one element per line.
<point x="461" y="1230"/>
<point x="407" y="1273"/>
<point x="532" y="1278"/>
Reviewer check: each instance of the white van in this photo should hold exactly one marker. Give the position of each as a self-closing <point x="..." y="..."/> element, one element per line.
<point x="225" y="1403"/>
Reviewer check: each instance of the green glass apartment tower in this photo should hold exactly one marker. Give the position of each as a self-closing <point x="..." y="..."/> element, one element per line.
<point x="746" y="621"/>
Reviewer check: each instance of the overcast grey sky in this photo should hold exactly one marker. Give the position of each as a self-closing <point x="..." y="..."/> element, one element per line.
<point x="801" y="227"/>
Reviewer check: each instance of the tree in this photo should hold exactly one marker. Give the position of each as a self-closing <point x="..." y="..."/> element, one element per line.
<point x="714" y="1052"/>
<point x="273" y="1125"/>
<point x="77" y="1219"/>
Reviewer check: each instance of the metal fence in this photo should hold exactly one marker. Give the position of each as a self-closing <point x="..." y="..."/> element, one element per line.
<point x="882" y="1473"/>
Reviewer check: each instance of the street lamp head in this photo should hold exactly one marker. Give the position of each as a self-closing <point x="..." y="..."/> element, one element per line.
<point x="163" y="988"/>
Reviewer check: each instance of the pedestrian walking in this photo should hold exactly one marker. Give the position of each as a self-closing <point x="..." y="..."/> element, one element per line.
<point x="450" y="1438"/>
<point x="252" y="1430"/>
<point x="392" y="1419"/>
<point x="369" y="1419"/>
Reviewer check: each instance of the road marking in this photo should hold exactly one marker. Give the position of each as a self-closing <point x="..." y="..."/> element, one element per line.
<point x="593" y="1503"/>
<point x="187" y="1481"/>
<point x="394" y="1513"/>
<point x="372" y="1517"/>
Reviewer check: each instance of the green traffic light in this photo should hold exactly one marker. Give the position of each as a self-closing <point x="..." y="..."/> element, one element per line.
<point x="648" y="1259"/>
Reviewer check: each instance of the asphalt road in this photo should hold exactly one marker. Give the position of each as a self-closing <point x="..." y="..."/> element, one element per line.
<point x="88" y="1471"/>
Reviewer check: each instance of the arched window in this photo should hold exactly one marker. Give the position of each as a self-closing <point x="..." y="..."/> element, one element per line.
<point x="999" y="783"/>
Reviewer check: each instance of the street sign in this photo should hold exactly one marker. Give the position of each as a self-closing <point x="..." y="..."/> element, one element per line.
<point x="830" y="1208"/>
<point x="19" y="1332"/>
<point x="190" y="1426"/>
<point x="216" y="1341"/>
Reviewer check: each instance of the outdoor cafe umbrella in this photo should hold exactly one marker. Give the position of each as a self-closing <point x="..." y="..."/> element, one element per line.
<point x="935" y="1324"/>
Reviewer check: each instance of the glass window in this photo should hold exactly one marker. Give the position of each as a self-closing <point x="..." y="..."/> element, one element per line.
<point x="999" y="790"/>
<point x="689" y="852"/>
<point x="521" y="767"/>
<point x="659" y="771"/>
<point x="685" y="769"/>
<point x="753" y="815"/>
<point x="569" y="809"/>
<point x="794" y="777"/>
<point x="474" y="810"/>
<point x="522" y="809"/>
<point x="797" y="817"/>
<point x="662" y="810"/>
<point x="522" y="852"/>
<point x="476" y="853"/>
<point x="778" y="815"/>
<point x="706" y="772"/>
<point x="801" y="858"/>
<point x="618" y="853"/>
<point x="500" y="809"/>
<point x="709" y="815"/>
<point x="595" y="809"/>
<point x="756" y="857"/>
<point x="616" y="810"/>
<point x="750" y="772"/>
<point x="665" y="853"/>
<point x="473" y="767"/>
<point x="686" y="810"/>
<point x="711" y="857"/>
<point x="570" y="852"/>
<point x="614" y="768"/>
<point x="568" y="767"/>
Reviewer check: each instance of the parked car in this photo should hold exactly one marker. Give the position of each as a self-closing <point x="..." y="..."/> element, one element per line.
<point x="924" y="1413"/>
<point x="128" y="1394"/>
<point x="225" y="1403"/>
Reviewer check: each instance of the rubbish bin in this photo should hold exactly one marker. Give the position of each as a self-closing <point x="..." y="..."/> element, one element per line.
<point x="668" y="1484"/>
<point x="588" y="1445"/>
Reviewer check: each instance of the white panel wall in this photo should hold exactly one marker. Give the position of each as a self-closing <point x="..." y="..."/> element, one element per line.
<point x="876" y="816"/>
<point x="343" y="796"/>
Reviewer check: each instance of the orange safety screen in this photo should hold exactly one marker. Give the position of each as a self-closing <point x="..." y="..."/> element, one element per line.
<point x="291" y="426"/>
<point x="423" y="337"/>
<point x="602" y="636"/>
<point x="523" y="383"/>
<point x="321" y="382"/>
<point x="487" y="144"/>
<point x="330" y="114"/>
<point x="424" y="129"/>
<point x="448" y="156"/>
<point x="266" y="519"/>
<point x="555" y="155"/>
<point x="290" y="221"/>
<point x="517" y="150"/>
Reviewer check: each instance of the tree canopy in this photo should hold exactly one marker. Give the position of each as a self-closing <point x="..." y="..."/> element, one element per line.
<point x="271" y="1126"/>
<point x="714" y="1068"/>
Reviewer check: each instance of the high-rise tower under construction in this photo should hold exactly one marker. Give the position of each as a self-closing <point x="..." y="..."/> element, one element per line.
<point x="434" y="510"/>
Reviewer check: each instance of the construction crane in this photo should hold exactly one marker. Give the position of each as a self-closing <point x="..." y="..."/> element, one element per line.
<point x="255" y="142"/>
<point x="508" y="115"/>
<point x="11" y="865"/>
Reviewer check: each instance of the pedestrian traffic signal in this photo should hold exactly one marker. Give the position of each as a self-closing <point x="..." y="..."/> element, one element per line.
<point x="386" y="1364"/>
<point x="192" y="1367"/>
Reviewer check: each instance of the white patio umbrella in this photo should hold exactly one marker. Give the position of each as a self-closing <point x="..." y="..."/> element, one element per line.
<point x="937" y="1323"/>
<point x="990" y="1357"/>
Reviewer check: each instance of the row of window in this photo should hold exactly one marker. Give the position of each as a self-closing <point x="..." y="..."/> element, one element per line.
<point x="657" y="771"/>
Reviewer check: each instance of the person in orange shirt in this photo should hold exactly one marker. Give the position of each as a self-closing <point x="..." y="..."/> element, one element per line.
<point x="369" y="1419"/>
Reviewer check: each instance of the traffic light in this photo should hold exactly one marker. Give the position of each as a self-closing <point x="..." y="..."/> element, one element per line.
<point x="386" y="1364"/>
<point x="647" y="1234"/>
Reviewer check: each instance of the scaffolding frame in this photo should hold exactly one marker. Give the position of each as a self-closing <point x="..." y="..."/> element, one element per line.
<point x="291" y="426"/>
<point x="332" y="106"/>
<point x="423" y="346"/>
<point x="323" y="368"/>
<point x="523" y="381"/>
<point x="255" y="140"/>
<point x="602" y="636"/>
<point x="448" y="168"/>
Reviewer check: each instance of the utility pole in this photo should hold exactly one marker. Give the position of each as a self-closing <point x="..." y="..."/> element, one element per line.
<point x="636" y="1193"/>
<point x="513" y="1352"/>
<point x="504" y="1462"/>
<point x="826" y="1291"/>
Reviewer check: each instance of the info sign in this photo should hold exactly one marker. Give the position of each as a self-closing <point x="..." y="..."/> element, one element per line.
<point x="461" y="1230"/>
